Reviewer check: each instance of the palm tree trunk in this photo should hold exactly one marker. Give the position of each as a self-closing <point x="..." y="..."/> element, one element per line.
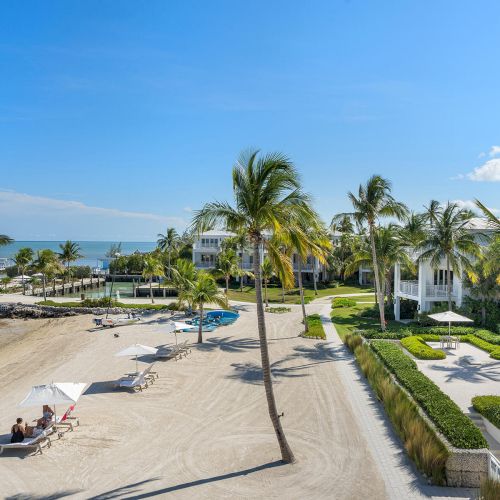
<point x="380" y="296"/>
<point x="169" y="270"/>
<point x="448" y="282"/>
<point x="388" y="287"/>
<point x="241" y="270"/>
<point x="286" y="451"/>
<point x="282" y="292"/>
<point x="483" y="311"/>
<point x="314" y="277"/>
<point x="301" y="291"/>
<point x="151" y="290"/>
<point x="200" y="326"/>
<point x="265" y="293"/>
<point x="24" y="281"/>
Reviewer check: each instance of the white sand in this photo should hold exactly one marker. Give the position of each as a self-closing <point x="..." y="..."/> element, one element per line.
<point x="201" y="431"/>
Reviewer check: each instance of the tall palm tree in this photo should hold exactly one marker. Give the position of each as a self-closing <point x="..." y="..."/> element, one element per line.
<point x="169" y="243"/>
<point x="227" y="265"/>
<point x="413" y="229"/>
<point x="493" y="220"/>
<point x="152" y="267"/>
<point x="183" y="277"/>
<point x="391" y="249"/>
<point x="268" y="198"/>
<point x="23" y="258"/>
<point x="432" y="212"/>
<point x="5" y="240"/>
<point x="374" y="201"/>
<point x="450" y="240"/>
<point x="203" y="291"/>
<point x="70" y="252"/>
<point x="238" y="242"/>
<point x="267" y="272"/>
<point x="46" y="263"/>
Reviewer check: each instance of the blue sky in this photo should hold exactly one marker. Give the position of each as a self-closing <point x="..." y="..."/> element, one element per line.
<point x="119" y="118"/>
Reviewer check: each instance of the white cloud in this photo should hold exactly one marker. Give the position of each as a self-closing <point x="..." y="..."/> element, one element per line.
<point x="189" y="210"/>
<point x="488" y="172"/>
<point x="494" y="151"/>
<point x="470" y="205"/>
<point x="15" y="203"/>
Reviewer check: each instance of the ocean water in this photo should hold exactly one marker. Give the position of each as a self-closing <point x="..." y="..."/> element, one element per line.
<point x="91" y="251"/>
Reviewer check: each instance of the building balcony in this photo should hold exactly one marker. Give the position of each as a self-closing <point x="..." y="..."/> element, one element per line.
<point x="204" y="265"/>
<point x="411" y="288"/>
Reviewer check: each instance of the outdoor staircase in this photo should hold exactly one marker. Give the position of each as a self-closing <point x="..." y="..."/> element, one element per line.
<point x="494" y="445"/>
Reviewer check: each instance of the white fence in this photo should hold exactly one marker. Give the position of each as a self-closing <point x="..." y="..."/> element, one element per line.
<point x="494" y="467"/>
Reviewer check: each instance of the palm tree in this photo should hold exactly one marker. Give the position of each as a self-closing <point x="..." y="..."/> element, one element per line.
<point x="373" y="202"/>
<point x="22" y="259"/>
<point x="449" y="239"/>
<point x="152" y="267"/>
<point x="227" y="265"/>
<point x="268" y="198"/>
<point x="203" y="291"/>
<point x="114" y="250"/>
<point x="46" y="263"/>
<point x="493" y="220"/>
<point x="432" y="211"/>
<point x="413" y="229"/>
<point x="183" y="277"/>
<point x="391" y="249"/>
<point x="70" y="252"/>
<point x="238" y="242"/>
<point x="168" y="243"/>
<point x="267" y="272"/>
<point x="5" y="240"/>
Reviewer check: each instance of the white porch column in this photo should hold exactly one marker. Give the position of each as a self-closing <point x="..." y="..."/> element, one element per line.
<point x="360" y="276"/>
<point x="421" y="286"/>
<point x="397" y="308"/>
<point x="458" y="289"/>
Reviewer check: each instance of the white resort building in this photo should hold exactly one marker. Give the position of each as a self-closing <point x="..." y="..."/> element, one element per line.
<point x="431" y="285"/>
<point x="208" y="246"/>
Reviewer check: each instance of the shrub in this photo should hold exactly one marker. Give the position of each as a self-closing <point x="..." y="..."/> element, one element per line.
<point x="278" y="310"/>
<point x="420" y="349"/>
<point x="155" y="307"/>
<point x="388" y="335"/>
<point x="489" y="489"/>
<point x="315" y="327"/>
<point x="353" y="340"/>
<point x="420" y="441"/>
<point x="492" y="338"/>
<point x="493" y="415"/>
<point x="482" y="403"/>
<point x="446" y="415"/>
<point x="343" y="302"/>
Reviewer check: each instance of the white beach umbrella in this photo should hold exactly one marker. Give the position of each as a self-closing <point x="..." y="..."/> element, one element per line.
<point x="137" y="350"/>
<point x="53" y="394"/>
<point x="170" y="327"/>
<point x="450" y="317"/>
<point x="179" y="325"/>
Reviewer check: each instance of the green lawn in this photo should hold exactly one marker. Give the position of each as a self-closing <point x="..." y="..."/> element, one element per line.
<point x="315" y="327"/>
<point x="292" y="296"/>
<point x="346" y="319"/>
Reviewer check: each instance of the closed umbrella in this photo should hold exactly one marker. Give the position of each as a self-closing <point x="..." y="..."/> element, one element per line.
<point x="137" y="350"/>
<point x="450" y="317"/>
<point x="54" y="394"/>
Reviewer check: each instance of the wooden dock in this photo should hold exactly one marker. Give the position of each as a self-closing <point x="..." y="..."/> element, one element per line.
<point x="53" y="289"/>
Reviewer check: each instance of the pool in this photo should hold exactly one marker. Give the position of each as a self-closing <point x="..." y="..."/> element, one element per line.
<point x="222" y="313"/>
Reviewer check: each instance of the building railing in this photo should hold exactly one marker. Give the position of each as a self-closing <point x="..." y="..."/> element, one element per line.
<point x="409" y="287"/>
<point x="494" y="467"/>
<point x="438" y="291"/>
<point x="204" y="265"/>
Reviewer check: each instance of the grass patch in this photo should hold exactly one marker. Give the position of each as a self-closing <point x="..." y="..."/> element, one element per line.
<point x="315" y="326"/>
<point x="489" y="489"/>
<point x="278" y="310"/>
<point x="443" y="411"/>
<point x="419" y="439"/>
<point x="420" y="349"/>
<point x="343" y="302"/>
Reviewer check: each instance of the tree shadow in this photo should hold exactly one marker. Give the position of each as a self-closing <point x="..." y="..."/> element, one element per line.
<point x="228" y="344"/>
<point x="251" y="373"/>
<point x="121" y="492"/>
<point x="53" y="496"/>
<point x="103" y="387"/>
<point x="464" y="370"/>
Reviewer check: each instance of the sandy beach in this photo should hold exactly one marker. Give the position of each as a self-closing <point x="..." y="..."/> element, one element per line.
<point x="201" y="431"/>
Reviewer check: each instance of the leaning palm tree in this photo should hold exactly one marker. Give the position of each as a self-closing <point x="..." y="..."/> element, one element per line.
<point x="169" y="243"/>
<point x="70" y="252"/>
<point x="268" y="198"/>
<point x="5" y="240"/>
<point x="152" y="267"/>
<point x="23" y="258"/>
<point x="267" y="270"/>
<point x="450" y="240"/>
<point x="203" y="291"/>
<point x="46" y="263"/>
<point x="227" y="265"/>
<point x="493" y="220"/>
<point x="373" y="202"/>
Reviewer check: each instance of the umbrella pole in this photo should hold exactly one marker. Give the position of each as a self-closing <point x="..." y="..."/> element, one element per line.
<point x="175" y="332"/>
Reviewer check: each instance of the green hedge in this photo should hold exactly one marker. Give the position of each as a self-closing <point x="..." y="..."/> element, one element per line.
<point x="492" y="338"/>
<point x="343" y="302"/>
<point x="315" y="327"/>
<point x="446" y="415"/>
<point x="420" y="349"/>
<point x="489" y="407"/>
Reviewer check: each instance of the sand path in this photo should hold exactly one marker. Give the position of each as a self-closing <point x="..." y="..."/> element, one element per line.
<point x="201" y="430"/>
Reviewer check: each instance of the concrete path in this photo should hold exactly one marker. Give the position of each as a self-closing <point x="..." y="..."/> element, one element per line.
<point x="401" y="478"/>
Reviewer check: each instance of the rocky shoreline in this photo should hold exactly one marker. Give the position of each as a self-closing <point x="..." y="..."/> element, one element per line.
<point x="30" y="311"/>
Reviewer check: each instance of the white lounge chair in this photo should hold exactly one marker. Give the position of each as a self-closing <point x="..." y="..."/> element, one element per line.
<point x="137" y="382"/>
<point x="32" y="442"/>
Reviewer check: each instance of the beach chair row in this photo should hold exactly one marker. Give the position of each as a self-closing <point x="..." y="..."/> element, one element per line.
<point x="138" y="381"/>
<point x="176" y="352"/>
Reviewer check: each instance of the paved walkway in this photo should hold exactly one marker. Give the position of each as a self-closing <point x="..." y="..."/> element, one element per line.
<point x="401" y="478"/>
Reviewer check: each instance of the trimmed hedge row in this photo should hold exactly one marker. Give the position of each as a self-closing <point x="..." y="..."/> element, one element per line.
<point x="490" y="337"/>
<point x="488" y="406"/>
<point x="494" y="350"/>
<point x="343" y="302"/>
<point x="420" y="349"/>
<point x="446" y="415"/>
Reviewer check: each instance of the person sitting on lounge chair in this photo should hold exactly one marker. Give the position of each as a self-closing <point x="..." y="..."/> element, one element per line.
<point x="47" y="414"/>
<point x="20" y="430"/>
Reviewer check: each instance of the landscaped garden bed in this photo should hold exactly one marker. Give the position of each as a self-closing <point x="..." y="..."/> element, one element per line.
<point x="315" y="327"/>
